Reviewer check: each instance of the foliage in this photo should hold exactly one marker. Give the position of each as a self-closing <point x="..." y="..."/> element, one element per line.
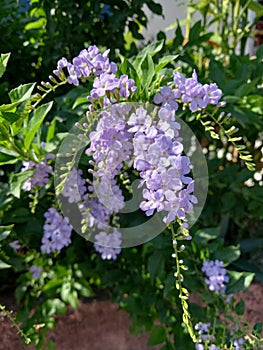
<point x="40" y="32"/>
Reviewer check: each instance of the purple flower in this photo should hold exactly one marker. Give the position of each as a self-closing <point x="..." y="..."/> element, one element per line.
<point x="36" y="271"/>
<point x="216" y="275"/>
<point x="40" y="178"/>
<point x="238" y="344"/>
<point x="89" y="62"/>
<point x="108" y="244"/>
<point x="57" y="232"/>
<point x="203" y="327"/>
<point x="74" y="187"/>
<point x="212" y="94"/>
<point x="213" y="347"/>
<point x="199" y="346"/>
<point x="62" y="63"/>
<point x="154" y="201"/>
<point x="15" y="245"/>
<point x="105" y="82"/>
<point x="126" y="85"/>
<point x="74" y="74"/>
<point x="167" y="97"/>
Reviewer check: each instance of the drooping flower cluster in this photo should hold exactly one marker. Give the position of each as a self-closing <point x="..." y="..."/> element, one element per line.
<point x="89" y="61"/>
<point x="42" y="171"/>
<point x="107" y="87"/>
<point x="205" y="337"/>
<point x="74" y="187"/>
<point x="153" y="148"/>
<point x="108" y="244"/>
<point x="162" y="167"/>
<point x="57" y="232"/>
<point x="216" y="275"/>
<point x="190" y="92"/>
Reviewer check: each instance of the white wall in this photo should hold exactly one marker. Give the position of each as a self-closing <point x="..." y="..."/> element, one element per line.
<point x="173" y="10"/>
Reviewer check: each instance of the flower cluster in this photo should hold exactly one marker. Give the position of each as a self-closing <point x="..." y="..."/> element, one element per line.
<point x="57" y="232"/>
<point x="190" y="92"/>
<point x="204" y="336"/>
<point x="89" y="61"/>
<point x="216" y="275"/>
<point x="108" y="244"/>
<point x="107" y="87"/>
<point x="42" y="171"/>
<point x="238" y="344"/>
<point x="158" y="157"/>
<point x="74" y="187"/>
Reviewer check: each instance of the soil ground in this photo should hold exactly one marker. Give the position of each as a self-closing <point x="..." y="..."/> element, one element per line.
<point x="100" y="325"/>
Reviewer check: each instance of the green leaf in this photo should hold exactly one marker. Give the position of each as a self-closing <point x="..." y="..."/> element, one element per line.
<point x="250" y="244"/>
<point x="157" y="336"/>
<point x="259" y="52"/>
<point x="179" y="38"/>
<point x="169" y="284"/>
<point x="17" y="181"/>
<point x="51" y="130"/>
<point x="204" y="235"/>
<point x="65" y="291"/>
<point x="10" y="117"/>
<point x="151" y="49"/>
<point x="155" y="8"/>
<point x="3" y="62"/>
<point x="5" y="231"/>
<point x="35" y="123"/>
<point x="227" y="254"/>
<point x="7" y="159"/>
<point x="3" y="265"/>
<point x="256" y="7"/>
<point x="156" y="264"/>
<point x="10" y="152"/>
<point x="240" y="307"/>
<point x="147" y="72"/>
<point x="39" y="23"/>
<point x="195" y="33"/>
<point x="164" y="61"/>
<point x="257" y="329"/>
<point x="17" y="96"/>
<point x="21" y="93"/>
<point x="239" y="281"/>
<point x="73" y="299"/>
<point x="52" y="284"/>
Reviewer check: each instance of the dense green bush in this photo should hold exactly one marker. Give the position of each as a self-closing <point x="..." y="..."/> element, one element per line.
<point x="38" y="33"/>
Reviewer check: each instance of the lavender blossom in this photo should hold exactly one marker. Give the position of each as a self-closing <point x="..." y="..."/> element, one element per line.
<point x="239" y="344"/>
<point x="190" y="92"/>
<point x="216" y="275"/>
<point x="57" y="232"/>
<point x="15" y="245"/>
<point x="108" y="244"/>
<point x="89" y="62"/>
<point x="74" y="187"/>
<point x="36" y="271"/>
<point x="40" y="178"/>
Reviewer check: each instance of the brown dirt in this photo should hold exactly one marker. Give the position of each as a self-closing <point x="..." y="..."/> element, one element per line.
<point x="99" y="325"/>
